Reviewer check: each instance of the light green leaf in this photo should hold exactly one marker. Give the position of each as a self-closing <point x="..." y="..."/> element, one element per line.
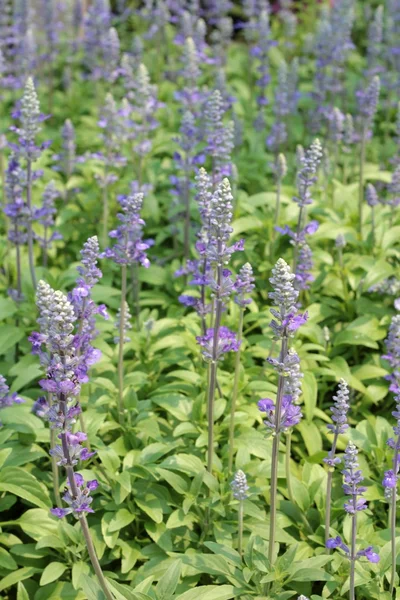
<point x="16" y="576"/>
<point x="7" y="561"/>
<point x="120" y="519"/>
<point x="167" y="584"/>
<point x="210" y="592"/>
<point x="53" y="571"/>
<point x="26" y="486"/>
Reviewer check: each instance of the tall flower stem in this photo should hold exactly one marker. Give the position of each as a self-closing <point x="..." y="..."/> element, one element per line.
<point x="186" y="202"/>
<point x="329" y="493"/>
<point x="296" y="247"/>
<point x="393" y="519"/>
<point x="54" y="466"/>
<point x="277" y="206"/>
<point x="240" y="528"/>
<point x="121" y="347"/>
<point x="361" y="182"/>
<point x="275" y="456"/>
<point x="30" y="231"/>
<point x="213" y="371"/>
<point x="136" y="292"/>
<point x="18" y="257"/>
<point x="105" y="211"/>
<point x="82" y="519"/>
<point x="287" y="465"/>
<point x="353" y="552"/>
<point x="235" y="392"/>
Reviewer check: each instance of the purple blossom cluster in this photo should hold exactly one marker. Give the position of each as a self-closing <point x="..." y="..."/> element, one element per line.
<point x="239" y="486"/>
<point x="129" y="247"/>
<point x="57" y="347"/>
<point x="7" y="398"/>
<point x="351" y="486"/>
<point x="339" y="426"/>
<point x="286" y="321"/>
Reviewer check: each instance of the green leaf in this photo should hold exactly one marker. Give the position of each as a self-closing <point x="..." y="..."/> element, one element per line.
<point x="120" y="519"/>
<point x="16" y="576"/>
<point x="210" y="592"/>
<point x="22" y="594"/>
<point x="151" y="506"/>
<point x="78" y="569"/>
<point x="26" y="486"/>
<point x="9" y="336"/>
<point x="53" y="571"/>
<point x="91" y="588"/>
<point x="7" y="561"/>
<point x="167" y="584"/>
<point x="310" y="391"/>
<point x="38" y="523"/>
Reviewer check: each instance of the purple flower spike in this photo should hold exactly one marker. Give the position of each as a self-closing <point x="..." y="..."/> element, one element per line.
<point x="226" y="342"/>
<point x="130" y="247"/>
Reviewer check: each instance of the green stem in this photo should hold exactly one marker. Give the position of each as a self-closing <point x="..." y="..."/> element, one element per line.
<point x="82" y="519"/>
<point x="136" y="292"/>
<point x="121" y="347"/>
<point x="240" y="528"/>
<point x="93" y="558"/>
<point x="235" y="392"/>
<point x="275" y="456"/>
<point x="373" y="228"/>
<point x="328" y="500"/>
<point x="393" y="519"/>
<point x="213" y="370"/>
<point x="30" y="231"/>
<point x="287" y="465"/>
<point x="277" y="207"/>
<point x="54" y="466"/>
<point x="353" y="555"/>
<point x="104" y="238"/>
<point x="361" y="183"/>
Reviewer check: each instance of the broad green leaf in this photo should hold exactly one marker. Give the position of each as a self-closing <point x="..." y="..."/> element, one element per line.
<point x="166" y="586"/>
<point x="19" y="575"/>
<point x="7" y="561"/>
<point x="9" y="336"/>
<point x="91" y="588"/>
<point x="53" y="571"/>
<point x="210" y="592"/>
<point x="26" y="486"/>
<point x="22" y="594"/>
<point x="120" y="519"/>
<point x="37" y="523"/>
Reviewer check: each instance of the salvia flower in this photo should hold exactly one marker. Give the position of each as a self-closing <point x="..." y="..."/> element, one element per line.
<point x="84" y="307"/>
<point x="239" y="486"/>
<point x="45" y="216"/>
<point x="219" y="137"/>
<point x="81" y="502"/>
<point x="129" y="247"/>
<point x="352" y="479"/>
<point x="64" y="376"/>
<point x="351" y="486"/>
<point x="68" y="154"/>
<point x="30" y="119"/>
<point x="375" y="47"/>
<point x="307" y="173"/>
<point x="226" y="342"/>
<point x="7" y="398"/>
<point x="339" y="412"/>
<point x="368" y="104"/>
<point x="290" y="413"/>
<point x="371" y="195"/>
<point x="244" y="285"/>
<point x="392" y="354"/>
